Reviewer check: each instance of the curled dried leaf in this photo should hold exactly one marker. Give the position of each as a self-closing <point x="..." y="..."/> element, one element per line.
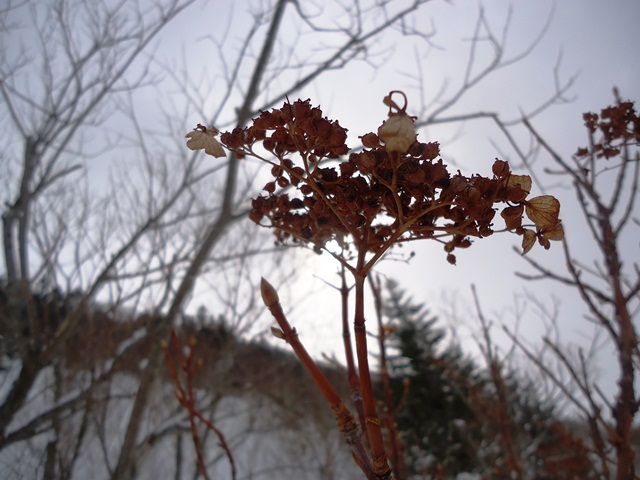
<point x="203" y="138"/>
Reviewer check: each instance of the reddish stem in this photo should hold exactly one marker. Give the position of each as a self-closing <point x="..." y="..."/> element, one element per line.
<point x="352" y="375"/>
<point x="344" y="418"/>
<point x="389" y="413"/>
<point x="372" y="421"/>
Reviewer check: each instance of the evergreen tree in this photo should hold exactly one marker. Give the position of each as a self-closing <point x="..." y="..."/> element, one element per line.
<point x="434" y="418"/>
<point x="449" y="417"/>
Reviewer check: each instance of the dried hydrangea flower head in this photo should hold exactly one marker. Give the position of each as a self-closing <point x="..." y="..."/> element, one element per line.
<point x="395" y="190"/>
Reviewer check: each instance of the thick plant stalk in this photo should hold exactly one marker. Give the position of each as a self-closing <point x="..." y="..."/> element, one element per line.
<point x="344" y="418"/>
<point x="352" y="375"/>
<point x="372" y="421"/>
<point x="395" y="448"/>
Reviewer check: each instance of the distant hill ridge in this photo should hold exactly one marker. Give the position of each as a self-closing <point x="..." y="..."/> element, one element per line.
<point x="229" y="364"/>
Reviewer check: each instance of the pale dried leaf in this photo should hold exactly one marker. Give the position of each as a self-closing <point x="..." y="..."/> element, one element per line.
<point x="205" y="140"/>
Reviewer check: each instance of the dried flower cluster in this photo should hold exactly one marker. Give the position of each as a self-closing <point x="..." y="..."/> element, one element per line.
<point x="618" y="125"/>
<point x="394" y="190"/>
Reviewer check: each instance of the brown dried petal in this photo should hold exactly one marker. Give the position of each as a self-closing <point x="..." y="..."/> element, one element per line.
<point x="515" y="194"/>
<point x="554" y="233"/>
<point x="528" y="241"/>
<point x="542" y="240"/>
<point x="425" y="151"/>
<point x="543" y="211"/>
<point x="347" y="169"/>
<point x="522" y="181"/>
<point x="513" y="216"/>
<point x="337" y="136"/>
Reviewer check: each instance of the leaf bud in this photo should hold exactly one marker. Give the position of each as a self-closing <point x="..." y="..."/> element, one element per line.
<point x="269" y="294"/>
<point x="278" y="333"/>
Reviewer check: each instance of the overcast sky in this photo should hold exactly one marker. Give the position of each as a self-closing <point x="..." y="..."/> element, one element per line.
<point x="595" y="41"/>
